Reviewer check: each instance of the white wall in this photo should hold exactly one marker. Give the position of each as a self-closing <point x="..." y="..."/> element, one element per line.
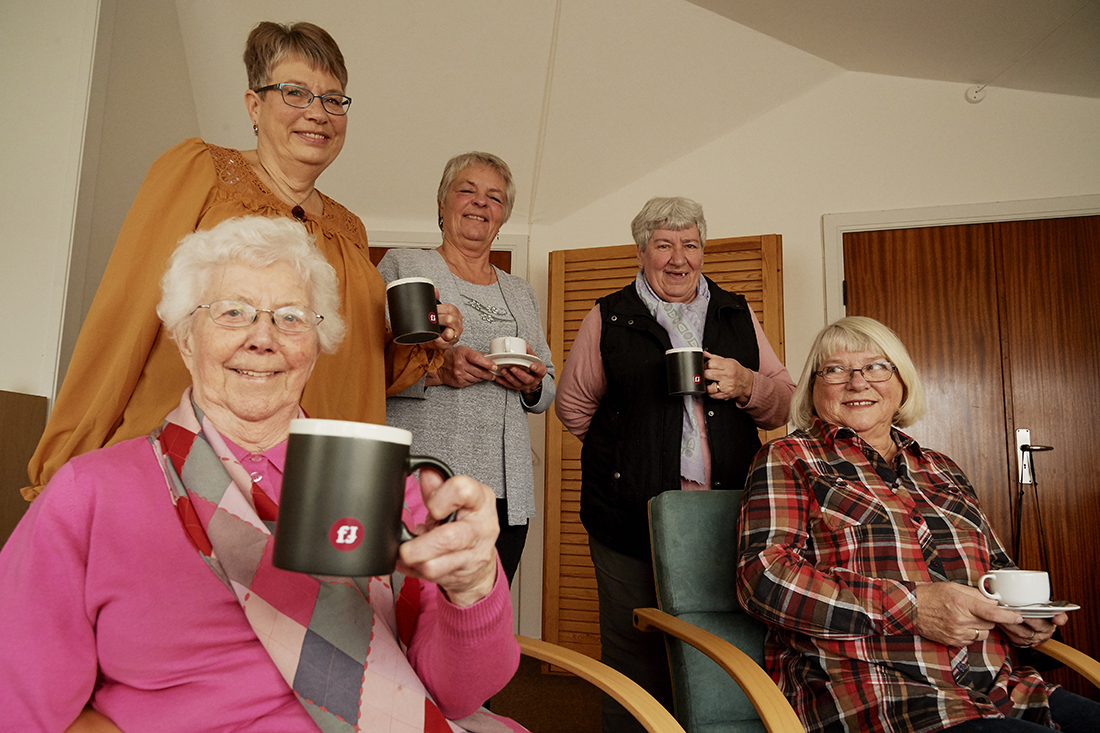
<point x="859" y="142"/>
<point x="142" y="103"/>
<point x="47" y="49"/>
<point x="115" y="75"/>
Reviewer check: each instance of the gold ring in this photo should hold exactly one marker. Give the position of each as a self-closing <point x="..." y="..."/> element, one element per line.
<point x="977" y="634"/>
<point x="1032" y="635"/>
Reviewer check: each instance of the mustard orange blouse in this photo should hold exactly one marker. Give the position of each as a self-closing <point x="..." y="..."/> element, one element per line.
<point x="126" y="374"/>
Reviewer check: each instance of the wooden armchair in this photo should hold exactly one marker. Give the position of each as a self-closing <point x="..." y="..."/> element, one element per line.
<point x="639" y="703"/>
<point x="647" y="711"/>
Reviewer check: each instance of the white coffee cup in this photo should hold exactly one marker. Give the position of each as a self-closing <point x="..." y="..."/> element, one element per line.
<point x="508" y="345"/>
<point x="1013" y="587"/>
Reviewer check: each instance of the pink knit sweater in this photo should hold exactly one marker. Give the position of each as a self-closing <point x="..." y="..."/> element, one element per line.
<point x="103" y="598"/>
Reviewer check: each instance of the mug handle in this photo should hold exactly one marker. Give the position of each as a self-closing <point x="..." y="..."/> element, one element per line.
<point x="986" y="593"/>
<point x="416" y="463"/>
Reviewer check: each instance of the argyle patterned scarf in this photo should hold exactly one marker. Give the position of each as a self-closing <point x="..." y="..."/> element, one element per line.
<point x="338" y="642"/>
<point x="684" y="323"/>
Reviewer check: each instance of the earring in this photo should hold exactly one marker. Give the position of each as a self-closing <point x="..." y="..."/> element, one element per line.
<point x="440" y="221"/>
<point x="255" y="128"/>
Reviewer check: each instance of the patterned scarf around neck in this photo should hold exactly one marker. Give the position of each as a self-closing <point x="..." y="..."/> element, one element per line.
<point x="684" y="324"/>
<point x="338" y="642"/>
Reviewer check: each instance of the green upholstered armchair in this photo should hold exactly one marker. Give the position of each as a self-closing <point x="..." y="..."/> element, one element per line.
<point x="694" y="536"/>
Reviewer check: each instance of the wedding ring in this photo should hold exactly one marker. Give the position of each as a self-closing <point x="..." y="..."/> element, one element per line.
<point x="1032" y="635"/>
<point x="977" y="634"/>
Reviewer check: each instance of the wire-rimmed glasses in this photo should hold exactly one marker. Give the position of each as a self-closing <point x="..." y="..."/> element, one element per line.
<point x="235" y="314"/>
<point x="876" y="371"/>
<point x="299" y="96"/>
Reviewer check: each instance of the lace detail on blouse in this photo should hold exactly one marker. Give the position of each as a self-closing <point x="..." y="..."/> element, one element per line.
<point x="237" y="180"/>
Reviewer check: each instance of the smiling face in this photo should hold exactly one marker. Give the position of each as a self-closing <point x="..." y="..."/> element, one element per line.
<point x="473" y="209"/>
<point x="866" y="407"/>
<point x="249" y="381"/>
<point x="292" y="136"/>
<point x="672" y="261"/>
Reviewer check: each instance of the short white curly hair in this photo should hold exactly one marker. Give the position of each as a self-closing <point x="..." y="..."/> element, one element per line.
<point x="258" y="242"/>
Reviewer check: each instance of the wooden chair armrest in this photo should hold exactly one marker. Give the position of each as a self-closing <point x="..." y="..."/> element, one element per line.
<point x="775" y="712"/>
<point x="1076" y="660"/>
<point x="639" y="703"/>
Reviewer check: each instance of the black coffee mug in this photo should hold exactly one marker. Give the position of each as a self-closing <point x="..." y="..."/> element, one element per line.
<point x="413" y="316"/>
<point x="685" y="370"/>
<point x="343" y="491"/>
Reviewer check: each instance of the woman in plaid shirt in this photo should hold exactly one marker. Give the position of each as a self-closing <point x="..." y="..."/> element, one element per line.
<point x="860" y="549"/>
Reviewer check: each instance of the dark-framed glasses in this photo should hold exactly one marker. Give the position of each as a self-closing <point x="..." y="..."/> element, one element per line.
<point x="876" y="371"/>
<point x="235" y="314"/>
<point x="296" y="96"/>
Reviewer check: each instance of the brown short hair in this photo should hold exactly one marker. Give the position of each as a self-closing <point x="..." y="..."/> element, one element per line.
<point x="269" y="43"/>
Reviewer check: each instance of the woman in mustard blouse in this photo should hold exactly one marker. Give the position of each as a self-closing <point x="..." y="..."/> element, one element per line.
<point x="125" y="374"/>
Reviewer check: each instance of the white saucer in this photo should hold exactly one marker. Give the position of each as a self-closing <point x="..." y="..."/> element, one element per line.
<point x="520" y="360"/>
<point x="1044" y="610"/>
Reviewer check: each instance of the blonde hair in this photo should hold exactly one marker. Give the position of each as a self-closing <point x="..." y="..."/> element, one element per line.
<point x="859" y="333"/>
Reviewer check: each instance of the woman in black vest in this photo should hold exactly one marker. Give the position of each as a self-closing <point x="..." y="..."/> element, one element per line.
<point x="639" y="440"/>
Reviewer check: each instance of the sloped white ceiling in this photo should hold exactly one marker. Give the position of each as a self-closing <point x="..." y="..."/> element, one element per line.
<point x="1035" y="45"/>
<point x="581" y="97"/>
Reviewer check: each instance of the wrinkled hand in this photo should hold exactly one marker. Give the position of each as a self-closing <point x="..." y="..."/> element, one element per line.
<point x="450" y="325"/>
<point x="727" y="379"/>
<point x="957" y="615"/>
<point x="522" y="378"/>
<point x="1033" y="631"/>
<point x="460" y="556"/>
<point x="462" y="366"/>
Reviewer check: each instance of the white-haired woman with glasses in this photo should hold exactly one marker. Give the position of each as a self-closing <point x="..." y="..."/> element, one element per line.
<point x="861" y="550"/>
<point x="124" y="374"/>
<point x="140" y="582"/>
<point x="639" y="441"/>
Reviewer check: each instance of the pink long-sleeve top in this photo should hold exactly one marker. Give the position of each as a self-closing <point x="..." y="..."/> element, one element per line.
<point x="583" y="384"/>
<point x="104" y="599"/>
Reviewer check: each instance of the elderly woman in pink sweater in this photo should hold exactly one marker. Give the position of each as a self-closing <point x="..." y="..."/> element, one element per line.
<point x="119" y="602"/>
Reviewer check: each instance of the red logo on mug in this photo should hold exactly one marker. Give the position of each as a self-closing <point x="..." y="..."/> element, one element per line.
<point x="433" y="317"/>
<point x="346" y="534"/>
<point x="697" y="379"/>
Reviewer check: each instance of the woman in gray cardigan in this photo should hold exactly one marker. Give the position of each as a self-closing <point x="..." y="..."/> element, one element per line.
<point x="472" y="413"/>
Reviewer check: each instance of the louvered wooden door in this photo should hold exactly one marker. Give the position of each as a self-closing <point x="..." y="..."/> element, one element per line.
<point x="751" y="266"/>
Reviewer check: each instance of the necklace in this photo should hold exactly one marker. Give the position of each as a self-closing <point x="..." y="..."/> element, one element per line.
<point x="297" y="212"/>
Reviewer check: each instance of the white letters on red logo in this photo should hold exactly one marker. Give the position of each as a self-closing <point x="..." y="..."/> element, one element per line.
<point x="346" y="534"/>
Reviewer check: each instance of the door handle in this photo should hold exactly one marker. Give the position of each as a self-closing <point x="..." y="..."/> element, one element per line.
<point x="1024" y="449"/>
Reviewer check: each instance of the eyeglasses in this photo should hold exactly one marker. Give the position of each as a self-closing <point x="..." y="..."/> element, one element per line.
<point x="296" y="96"/>
<point x="235" y="314"/>
<point x="878" y="371"/>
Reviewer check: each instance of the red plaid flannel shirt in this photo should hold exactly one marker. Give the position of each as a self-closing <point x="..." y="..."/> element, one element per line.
<point x="833" y="544"/>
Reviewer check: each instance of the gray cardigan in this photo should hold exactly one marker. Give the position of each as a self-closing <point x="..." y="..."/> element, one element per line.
<point x="479" y="430"/>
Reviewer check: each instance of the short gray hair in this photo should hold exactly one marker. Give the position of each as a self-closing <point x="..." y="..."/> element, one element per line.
<point x="258" y="242"/>
<point x="859" y="333"/>
<point x="674" y="213"/>
<point x="461" y="162"/>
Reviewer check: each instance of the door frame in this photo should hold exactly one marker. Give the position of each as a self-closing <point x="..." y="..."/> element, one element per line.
<point x="834" y="226"/>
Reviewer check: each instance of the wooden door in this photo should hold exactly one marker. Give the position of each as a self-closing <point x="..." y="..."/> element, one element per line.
<point x="751" y="266"/>
<point x="1003" y="322"/>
